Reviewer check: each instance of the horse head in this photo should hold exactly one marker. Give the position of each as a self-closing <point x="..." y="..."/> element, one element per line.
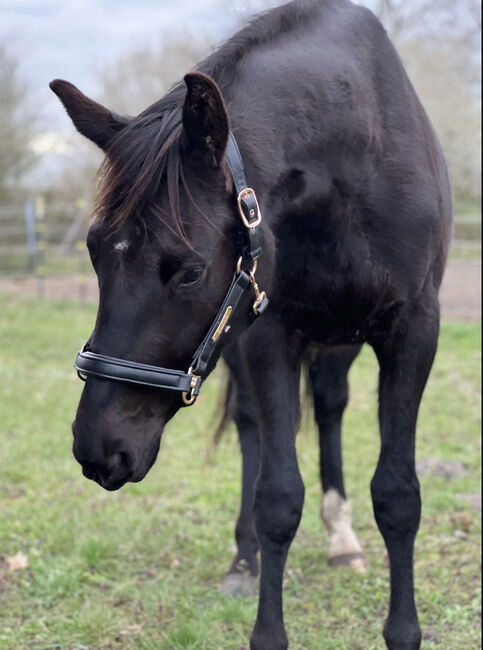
<point x="163" y="246"/>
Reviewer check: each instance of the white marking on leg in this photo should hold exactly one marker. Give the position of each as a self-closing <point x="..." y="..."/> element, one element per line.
<point x="121" y="245"/>
<point x="337" y="517"/>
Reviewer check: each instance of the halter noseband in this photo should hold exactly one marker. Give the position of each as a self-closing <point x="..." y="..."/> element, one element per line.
<point x="189" y="383"/>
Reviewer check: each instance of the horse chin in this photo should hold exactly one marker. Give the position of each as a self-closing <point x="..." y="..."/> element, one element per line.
<point x="142" y="469"/>
<point x="140" y="474"/>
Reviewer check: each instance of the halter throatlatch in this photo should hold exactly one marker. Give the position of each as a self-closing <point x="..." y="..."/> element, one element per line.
<point x="89" y="363"/>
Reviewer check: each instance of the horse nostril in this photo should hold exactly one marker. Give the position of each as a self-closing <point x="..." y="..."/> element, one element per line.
<point x="122" y="460"/>
<point x="126" y="460"/>
<point x="118" y="465"/>
<point x="114" y="461"/>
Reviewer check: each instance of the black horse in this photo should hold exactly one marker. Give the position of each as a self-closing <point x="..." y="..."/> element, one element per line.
<point x="328" y="386"/>
<point x="357" y="212"/>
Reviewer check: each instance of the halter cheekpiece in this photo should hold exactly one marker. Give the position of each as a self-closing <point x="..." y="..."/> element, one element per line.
<point x="189" y="383"/>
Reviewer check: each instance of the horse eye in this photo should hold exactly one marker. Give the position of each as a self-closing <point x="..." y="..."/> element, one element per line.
<point x="191" y="276"/>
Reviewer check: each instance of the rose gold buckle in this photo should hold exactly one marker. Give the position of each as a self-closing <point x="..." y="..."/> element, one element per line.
<point x="189" y="398"/>
<point x="244" y="194"/>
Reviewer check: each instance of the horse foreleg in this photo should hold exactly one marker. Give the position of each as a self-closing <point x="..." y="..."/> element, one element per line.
<point x="328" y="377"/>
<point x="405" y="358"/>
<point x="273" y="357"/>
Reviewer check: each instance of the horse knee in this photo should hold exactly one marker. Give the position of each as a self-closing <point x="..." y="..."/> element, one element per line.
<point x="396" y="500"/>
<point x="278" y="509"/>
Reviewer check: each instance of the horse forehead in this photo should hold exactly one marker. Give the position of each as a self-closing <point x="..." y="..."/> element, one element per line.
<point x="127" y="238"/>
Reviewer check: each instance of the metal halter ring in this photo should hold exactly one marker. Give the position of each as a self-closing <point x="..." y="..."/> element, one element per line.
<point x="239" y="267"/>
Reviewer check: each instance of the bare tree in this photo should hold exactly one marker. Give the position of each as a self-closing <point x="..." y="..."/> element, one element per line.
<point x="143" y="76"/>
<point x="17" y="125"/>
<point x="452" y="103"/>
<point x="403" y="18"/>
<point x="439" y="42"/>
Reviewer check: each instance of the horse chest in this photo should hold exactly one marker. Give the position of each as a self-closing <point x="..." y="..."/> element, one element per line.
<point x="330" y="289"/>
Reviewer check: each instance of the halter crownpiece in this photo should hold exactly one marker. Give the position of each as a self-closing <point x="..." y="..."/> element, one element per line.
<point x="89" y="363"/>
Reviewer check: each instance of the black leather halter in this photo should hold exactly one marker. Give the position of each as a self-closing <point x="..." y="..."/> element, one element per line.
<point x="189" y="383"/>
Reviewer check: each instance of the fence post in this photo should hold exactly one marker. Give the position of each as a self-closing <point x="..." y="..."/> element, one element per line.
<point x="40" y="231"/>
<point x="30" y="230"/>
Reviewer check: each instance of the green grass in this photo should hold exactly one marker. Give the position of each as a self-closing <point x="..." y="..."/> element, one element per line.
<point x="467" y="205"/>
<point x="139" y="569"/>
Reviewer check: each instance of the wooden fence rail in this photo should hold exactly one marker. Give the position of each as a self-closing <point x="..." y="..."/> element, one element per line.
<point x="39" y="238"/>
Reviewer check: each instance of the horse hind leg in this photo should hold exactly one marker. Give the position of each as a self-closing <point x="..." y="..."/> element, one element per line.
<point x="242" y="576"/>
<point x="405" y="358"/>
<point x="328" y="378"/>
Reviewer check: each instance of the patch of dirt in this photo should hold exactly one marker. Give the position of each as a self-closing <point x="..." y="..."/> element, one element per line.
<point x="474" y="500"/>
<point x="447" y="469"/>
<point x="63" y="287"/>
<point x="460" y="293"/>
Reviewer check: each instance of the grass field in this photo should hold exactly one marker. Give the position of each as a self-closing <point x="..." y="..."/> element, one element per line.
<point x="139" y="569"/>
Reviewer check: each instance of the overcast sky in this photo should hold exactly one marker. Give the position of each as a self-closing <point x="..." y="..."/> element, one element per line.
<point x="75" y="39"/>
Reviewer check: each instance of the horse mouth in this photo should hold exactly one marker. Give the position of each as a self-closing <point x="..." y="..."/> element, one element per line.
<point x="111" y="484"/>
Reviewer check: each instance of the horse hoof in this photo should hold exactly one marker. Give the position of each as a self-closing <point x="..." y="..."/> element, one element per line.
<point x="354" y="561"/>
<point x="402" y="635"/>
<point x="239" y="585"/>
<point x="275" y="639"/>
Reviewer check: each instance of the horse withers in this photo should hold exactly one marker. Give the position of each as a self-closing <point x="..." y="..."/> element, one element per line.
<point x="356" y="204"/>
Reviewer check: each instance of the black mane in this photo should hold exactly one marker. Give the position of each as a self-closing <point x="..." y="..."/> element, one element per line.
<point x="143" y="155"/>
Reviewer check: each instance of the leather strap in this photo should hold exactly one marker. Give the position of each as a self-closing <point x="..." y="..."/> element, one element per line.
<point x="251" y="246"/>
<point x="235" y="163"/>
<point x="99" y="365"/>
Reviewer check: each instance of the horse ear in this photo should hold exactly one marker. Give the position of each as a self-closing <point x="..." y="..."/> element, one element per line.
<point x="205" y="118"/>
<point x="92" y="120"/>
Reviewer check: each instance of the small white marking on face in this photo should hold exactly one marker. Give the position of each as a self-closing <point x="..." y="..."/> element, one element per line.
<point x="121" y="245"/>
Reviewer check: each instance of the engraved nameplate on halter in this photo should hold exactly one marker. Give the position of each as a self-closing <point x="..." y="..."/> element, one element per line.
<point x="221" y="327"/>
